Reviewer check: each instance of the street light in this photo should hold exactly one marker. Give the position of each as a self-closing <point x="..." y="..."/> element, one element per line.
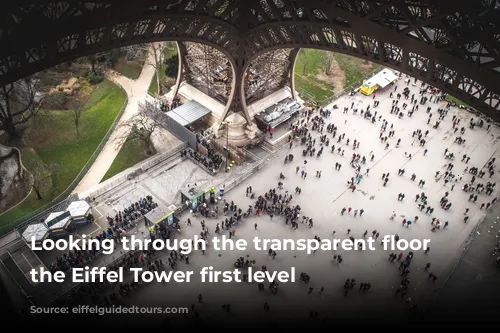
<point x="226" y="148"/>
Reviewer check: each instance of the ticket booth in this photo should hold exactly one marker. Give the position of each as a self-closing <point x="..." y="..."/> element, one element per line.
<point x="37" y="232"/>
<point x="80" y="211"/>
<point x="161" y="216"/>
<point x="193" y="197"/>
<point x="59" y="223"/>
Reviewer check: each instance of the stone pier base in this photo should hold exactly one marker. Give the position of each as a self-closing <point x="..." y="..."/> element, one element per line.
<point x="238" y="132"/>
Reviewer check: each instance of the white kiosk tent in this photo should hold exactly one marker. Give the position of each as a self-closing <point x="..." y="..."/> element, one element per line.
<point x="379" y="81"/>
<point x="79" y="211"/>
<point x="37" y="232"/>
<point x="384" y="78"/>
<point x="58" y="222"/>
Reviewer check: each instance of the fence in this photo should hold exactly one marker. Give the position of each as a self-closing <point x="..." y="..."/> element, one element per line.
<point x="103" y="187"/>
<point x="202" y="149"/>
<point x="308" y="97"/>
<point x="236" y="154"/>
<point x="350" y="87"/>
<point x="198" y="163"/>
<point x="248" y="171"/>
<point x="234" y="181"/>
<point x="75" y="182"/>
<point x="181" y="132"/>
<point x="160" y="158"/>
<point x="251" y="156"/>
<point x="148" y="164"/>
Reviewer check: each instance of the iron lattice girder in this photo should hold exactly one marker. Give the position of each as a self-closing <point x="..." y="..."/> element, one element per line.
<point x="451" y="44"/>
<point x="267" y="73"/>
<point x="209" y="70"/>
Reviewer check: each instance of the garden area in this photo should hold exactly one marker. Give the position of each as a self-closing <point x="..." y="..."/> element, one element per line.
<point x="131" y="69"/>
<point x="127" y="61"/>
<point x="320" y="74"/>
<point x="75" y="115"/>
<point x="132" y="152"/>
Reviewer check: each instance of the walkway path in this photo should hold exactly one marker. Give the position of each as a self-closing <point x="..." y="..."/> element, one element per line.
<point x="137" y="91"/>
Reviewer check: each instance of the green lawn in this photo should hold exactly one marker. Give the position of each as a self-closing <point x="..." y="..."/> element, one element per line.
<point x="168" y="52"/>
<point x="130" y="69"/>
<point x="307" y="88"/>
<point x="51" y="138"/>
<point x="355" y="69"/>
<point x="131" y="153"/>
<point x="153" y="86"/>
<point x="309" y="63"/>
<point x="450" y="98"/>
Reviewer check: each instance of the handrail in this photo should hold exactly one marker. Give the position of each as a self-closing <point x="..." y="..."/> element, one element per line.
<point x="123" y="176"/>
<point x="346" y="90"/>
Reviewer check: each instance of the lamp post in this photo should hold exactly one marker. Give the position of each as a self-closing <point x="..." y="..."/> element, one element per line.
<point x="226" y="123"/>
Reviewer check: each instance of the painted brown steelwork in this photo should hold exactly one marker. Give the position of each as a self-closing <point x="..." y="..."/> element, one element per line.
<point x="181" y="52"/>
<point x="268" y="73"/>
<point x="208" y="70"/>
<point x="451" y="44"/>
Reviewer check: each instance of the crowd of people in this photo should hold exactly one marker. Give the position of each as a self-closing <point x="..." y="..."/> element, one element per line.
<point x="211" y="162"/>
<point x="77" y="258"/>
<point x="310" y="137"/>
<point x="166" y="106"/>
<point x="126" y="218"/>
<point x="281" y="202"/>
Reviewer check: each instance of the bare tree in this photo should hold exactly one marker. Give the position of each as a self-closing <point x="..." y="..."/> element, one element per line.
<point x="18" y="103"/>
<point x="135" y="51"/>
<point x="142" y="125"/>
<point x="78" y="109"/>
<point x="157" y="50"/>
<point x="42" y="174"/>
<point x="92" y="59"/>
<point x="327" y="60"/>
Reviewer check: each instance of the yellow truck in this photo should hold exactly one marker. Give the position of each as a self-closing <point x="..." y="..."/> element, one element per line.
<point x="379" y="81"/>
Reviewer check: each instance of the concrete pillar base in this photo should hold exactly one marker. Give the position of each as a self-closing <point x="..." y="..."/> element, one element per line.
<point x="252" y="132"/>
<point x="239" y="132"/>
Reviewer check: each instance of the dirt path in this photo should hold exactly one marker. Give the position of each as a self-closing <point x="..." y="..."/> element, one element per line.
<point x="335" y="77"/>
<point x="137" y="91"/>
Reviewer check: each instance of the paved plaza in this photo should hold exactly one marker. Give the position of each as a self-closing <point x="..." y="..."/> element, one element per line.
<point x="475" y="276"/>
<point x="164" y="184"/>
<point x="322" y="199"/>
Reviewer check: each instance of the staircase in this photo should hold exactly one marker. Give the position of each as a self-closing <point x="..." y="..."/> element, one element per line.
<point x="275" y="146"/>
<point x="267" y="147"/>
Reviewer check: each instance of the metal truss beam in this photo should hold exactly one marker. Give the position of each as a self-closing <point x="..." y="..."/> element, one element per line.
<point x="452" y="46"/>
